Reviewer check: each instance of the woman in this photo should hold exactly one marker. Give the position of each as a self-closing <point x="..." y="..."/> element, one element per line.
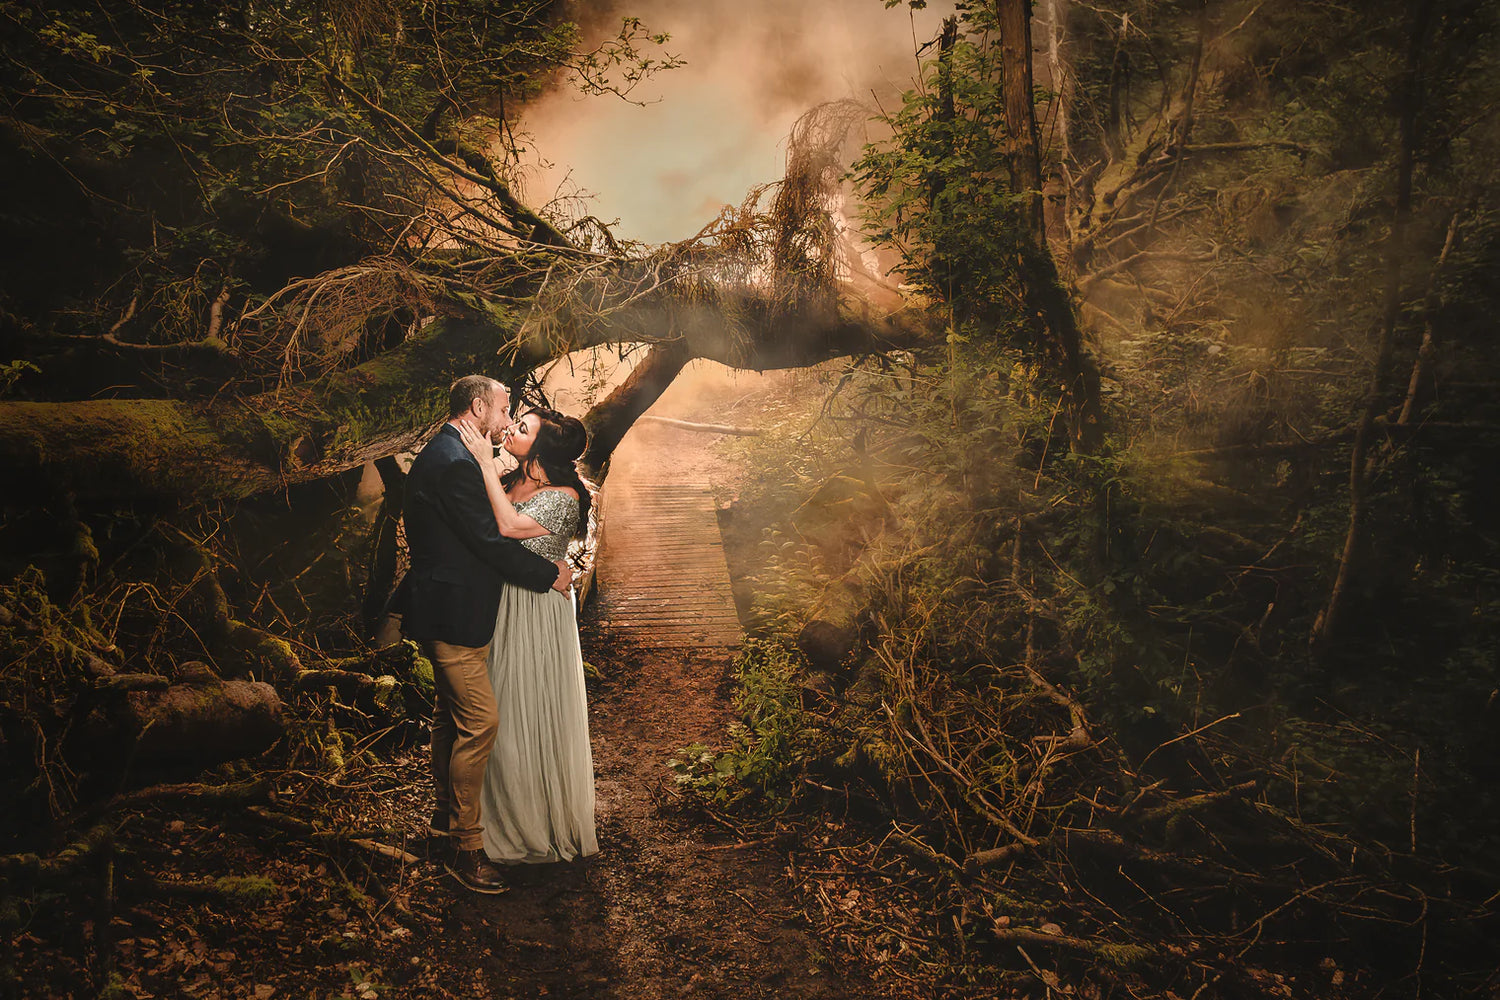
<point x="538" y="801"/>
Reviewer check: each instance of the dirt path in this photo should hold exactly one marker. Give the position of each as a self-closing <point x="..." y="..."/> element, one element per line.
<point x="670" y="907"/>
<point x="221" y="902"/>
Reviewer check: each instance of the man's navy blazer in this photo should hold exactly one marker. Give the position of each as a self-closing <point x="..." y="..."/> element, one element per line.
<point x="459" y="559"/>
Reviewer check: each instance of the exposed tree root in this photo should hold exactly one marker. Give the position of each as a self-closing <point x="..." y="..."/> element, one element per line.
<point x="1120" y="955"/>
<point x="236" y="794"/>
<point x="62" y="865"/>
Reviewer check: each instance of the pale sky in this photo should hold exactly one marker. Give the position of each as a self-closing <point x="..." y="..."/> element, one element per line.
<point x="719" y="124"/>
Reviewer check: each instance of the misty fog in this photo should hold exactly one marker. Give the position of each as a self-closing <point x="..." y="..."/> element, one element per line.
<point x="708" y="131"/>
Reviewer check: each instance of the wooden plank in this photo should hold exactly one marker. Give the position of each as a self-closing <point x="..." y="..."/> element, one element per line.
<point x="650" y="630"/>
<point x="666" y="632"/>
<point x="644" y="619"/>
<point x="663" y="580"/>
<point x="670" y="609"/>
<point x="670" y="638"/>
<point x="658" y="584"/>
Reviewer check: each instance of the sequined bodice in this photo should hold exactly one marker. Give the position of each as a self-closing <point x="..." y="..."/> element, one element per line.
<point x="558" y="513"/>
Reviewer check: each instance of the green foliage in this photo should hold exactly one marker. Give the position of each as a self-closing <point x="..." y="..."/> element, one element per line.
<point x="936" y="190"/>
<point x="1180" y="584"/>
<point x="1153" y="577"/>
<point x="422" y="677"/>
<point x="13" y="371"/>
<point x="621" y="64"/>
<point x="768" y="748"/>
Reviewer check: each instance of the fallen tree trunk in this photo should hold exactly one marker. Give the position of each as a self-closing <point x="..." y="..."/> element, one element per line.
<point x="201" y="723"/>
<point x="193" y="793"/>
<point x="608" y="422"/>
<point x="231" y="448"/>
<point x="65" y="863"/>
<point x="832" y="632"/>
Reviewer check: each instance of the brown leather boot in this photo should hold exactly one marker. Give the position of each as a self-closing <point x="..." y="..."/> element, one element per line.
<point x="475" y="873"/>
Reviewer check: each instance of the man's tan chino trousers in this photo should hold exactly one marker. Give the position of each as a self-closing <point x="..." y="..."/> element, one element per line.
<point x="463" y="731"/>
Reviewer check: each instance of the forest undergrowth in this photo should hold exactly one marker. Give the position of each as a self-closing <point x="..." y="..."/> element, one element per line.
<point x="1049" y="723"/>
<point x="1141" y="642"/>
<point x="193" y="800"/>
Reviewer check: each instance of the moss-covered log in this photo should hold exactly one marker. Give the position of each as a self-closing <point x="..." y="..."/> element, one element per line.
<point x="231" y="448"/>
<point x="201" y="723"/>
<point x="193" y="795"/>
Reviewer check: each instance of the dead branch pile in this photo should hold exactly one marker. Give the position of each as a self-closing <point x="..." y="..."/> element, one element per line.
<point x="274" y="880"/>
<point x="979" y="832"/>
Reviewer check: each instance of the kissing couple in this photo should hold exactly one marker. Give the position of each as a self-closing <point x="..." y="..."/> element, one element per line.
<point x="488" y="597"/>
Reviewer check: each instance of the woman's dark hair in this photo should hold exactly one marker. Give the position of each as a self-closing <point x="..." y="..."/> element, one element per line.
<point x="559" y="441"/>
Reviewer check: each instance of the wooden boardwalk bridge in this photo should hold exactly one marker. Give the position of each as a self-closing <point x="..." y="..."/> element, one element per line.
<point x="662" y="580"/>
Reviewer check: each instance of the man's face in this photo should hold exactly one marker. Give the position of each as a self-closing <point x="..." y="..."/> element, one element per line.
<point x="495" y="415"/>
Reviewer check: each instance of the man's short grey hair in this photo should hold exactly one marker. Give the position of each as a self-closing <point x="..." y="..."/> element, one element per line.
<point x="467" y="389"/>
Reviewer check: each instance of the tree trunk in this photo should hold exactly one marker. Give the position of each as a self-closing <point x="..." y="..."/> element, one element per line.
<point x="946" y="107"/>
<point x="230" y="449"/>
<point x="1185" y="123"/>
<point x="1045" y="295"/>
<point x="1014" y="17"/>
<point x="613" y="416"/>
<point x="1429" y="311"/>
<point x="384" y="543"/>
<point x="1058" y="76"/>
<point x="1325" y="630"/>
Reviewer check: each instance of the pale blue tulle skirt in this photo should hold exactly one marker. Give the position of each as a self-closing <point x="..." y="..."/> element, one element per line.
<point x="538" y="802"/>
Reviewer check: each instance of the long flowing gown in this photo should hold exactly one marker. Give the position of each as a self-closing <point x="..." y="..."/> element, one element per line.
<point x="538" y="801"/>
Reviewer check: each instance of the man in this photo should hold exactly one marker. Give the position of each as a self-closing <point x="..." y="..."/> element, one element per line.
<point x="448" y="602"/>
